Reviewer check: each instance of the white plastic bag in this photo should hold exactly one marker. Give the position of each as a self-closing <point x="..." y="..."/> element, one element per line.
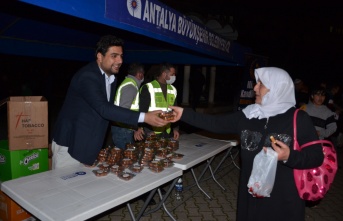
<point x="262" y="177"/>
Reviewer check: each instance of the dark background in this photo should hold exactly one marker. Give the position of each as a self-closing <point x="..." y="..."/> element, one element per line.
<point x="303" y="37"/>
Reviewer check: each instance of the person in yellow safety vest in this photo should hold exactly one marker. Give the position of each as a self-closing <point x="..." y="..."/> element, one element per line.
<point x="159" y="94"/>
<point x="127" y="96"/>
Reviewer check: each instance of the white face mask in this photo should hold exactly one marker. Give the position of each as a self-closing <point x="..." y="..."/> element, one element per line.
<point x="141" y="81"/>
<point x="171" y="80"/>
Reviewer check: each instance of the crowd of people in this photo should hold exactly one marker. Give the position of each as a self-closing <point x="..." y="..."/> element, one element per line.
<point x="323" y="101"/>
<point x="93" y="103"/>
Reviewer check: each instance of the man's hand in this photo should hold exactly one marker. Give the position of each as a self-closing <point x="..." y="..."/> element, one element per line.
<point x="153" y="119"/>
<point x="139" y="134"/>
<point x="177" y="112"/>
<point x="176" y="134"/>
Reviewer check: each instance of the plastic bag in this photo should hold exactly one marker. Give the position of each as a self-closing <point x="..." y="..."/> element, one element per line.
<point x="262" y="177"/>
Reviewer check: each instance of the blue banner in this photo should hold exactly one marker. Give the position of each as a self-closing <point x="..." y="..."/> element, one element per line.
<point x="148" y="18"/>
<point x="164" y="23"/>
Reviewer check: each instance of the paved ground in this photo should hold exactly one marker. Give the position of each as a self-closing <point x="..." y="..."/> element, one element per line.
<point x="223" y="206"/>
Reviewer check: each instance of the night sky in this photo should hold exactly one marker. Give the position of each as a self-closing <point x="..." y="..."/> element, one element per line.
<point x="303" y="37"/>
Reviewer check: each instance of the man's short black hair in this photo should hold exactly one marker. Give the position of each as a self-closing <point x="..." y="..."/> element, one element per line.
<point x="134" y="68"/>
<point x="162" y="68"/>
<point x="106" y="42"/>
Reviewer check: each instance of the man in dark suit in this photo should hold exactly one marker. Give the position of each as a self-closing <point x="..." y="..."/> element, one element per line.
<point x="88" y="108"/>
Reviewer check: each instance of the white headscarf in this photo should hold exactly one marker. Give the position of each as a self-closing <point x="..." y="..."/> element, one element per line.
<point x="280" y="97"/>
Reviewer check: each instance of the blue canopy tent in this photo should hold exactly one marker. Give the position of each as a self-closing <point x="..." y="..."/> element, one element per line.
<point x="153" y="32"/>
<point x="68" y="30"/>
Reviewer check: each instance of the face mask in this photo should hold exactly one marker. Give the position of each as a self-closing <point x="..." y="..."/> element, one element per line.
<point x="141" y="81"/>
<point x="171" y="80"/>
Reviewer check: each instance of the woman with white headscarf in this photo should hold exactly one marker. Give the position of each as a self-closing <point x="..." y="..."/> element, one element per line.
<point x="272" y="114"/>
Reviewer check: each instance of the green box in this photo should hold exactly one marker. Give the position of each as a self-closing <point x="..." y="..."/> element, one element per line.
<point x="19" y="163"/>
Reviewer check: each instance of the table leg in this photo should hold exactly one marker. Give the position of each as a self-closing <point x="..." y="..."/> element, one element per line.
<point x="164" y="206"/>
<point x="130" y="211"/>
<point x="197" y="183"/>
<point x="228" y="154"/>
<point x="145" y="205"/>
<point x="233" y="159"/>
<point x="214" y="178"/>
<point x="163" y="200"/>
<point x="197" y="180"/>
<point x="206" y="167"/>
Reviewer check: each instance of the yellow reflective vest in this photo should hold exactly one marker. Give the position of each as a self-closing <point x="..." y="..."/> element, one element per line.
<point x="135" y="102"/>
<point x="159" y="102"/>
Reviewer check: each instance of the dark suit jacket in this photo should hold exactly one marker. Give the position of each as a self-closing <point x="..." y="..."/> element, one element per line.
<point x="83" y="120"/>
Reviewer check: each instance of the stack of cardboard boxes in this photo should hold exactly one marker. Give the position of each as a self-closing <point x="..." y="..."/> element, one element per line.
<point x="26" y="150"/>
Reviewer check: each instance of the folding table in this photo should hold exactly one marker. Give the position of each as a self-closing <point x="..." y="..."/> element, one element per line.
<point x="197" y="149"/>
<point x="75" y="193"/>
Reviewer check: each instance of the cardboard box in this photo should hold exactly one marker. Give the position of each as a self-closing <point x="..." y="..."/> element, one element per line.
<point x="27" y="119"/>
<point x="11" y="211"/>
<point x="19" y="163"/>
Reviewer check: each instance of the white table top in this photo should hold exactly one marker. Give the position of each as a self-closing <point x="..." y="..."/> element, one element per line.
<point x="197" y="148"/>
<point x="52" y="195"/>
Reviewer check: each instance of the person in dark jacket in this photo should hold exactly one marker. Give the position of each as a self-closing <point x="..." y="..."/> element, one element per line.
<point x="88" y="108"/>
<point x="272" y="114"/>
<point x="322" y="117"/>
